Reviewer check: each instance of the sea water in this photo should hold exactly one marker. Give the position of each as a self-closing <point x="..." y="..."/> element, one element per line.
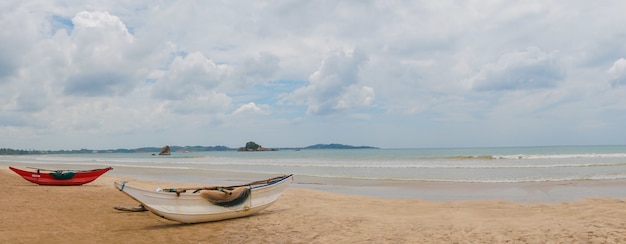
<point x="327" y="167"/>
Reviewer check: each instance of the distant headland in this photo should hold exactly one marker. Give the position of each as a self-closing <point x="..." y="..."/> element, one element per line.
<point x="250" y="146"/>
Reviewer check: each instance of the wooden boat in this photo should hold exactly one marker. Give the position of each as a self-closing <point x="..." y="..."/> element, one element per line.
<point x="60" y="177"/>
<point x="204" y="204"/>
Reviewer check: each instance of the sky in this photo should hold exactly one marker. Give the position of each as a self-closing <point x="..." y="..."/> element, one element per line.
<point x="388" y="74"/>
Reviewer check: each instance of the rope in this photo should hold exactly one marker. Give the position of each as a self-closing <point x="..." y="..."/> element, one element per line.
<point x="178" y="191"/>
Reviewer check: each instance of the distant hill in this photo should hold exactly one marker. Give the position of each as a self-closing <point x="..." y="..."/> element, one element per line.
<point x="8" y="151"/>
<point x="174" y="149"/>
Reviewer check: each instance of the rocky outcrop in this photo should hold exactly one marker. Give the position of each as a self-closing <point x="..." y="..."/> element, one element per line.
<point x="165" y="150"/>
<point x="253" y="147"/>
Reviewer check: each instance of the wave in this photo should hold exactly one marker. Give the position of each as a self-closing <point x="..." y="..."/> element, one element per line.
<point x="526" y="156"/>
<point x="487" y="157"/>
<point x="434" y="180"/>
<point x="378" y="166"/>
<point x="129" y="162"/>
<point x="324" y="177"/>
<point x="561" y="156"/>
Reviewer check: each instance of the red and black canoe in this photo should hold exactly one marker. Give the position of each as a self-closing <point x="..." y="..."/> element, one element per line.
<point x="60" y="177"/>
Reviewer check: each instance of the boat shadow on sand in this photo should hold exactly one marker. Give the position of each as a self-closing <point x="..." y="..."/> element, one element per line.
<point x="167" y="224"/>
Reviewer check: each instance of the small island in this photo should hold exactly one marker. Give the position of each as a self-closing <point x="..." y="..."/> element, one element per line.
<point x="253" y="147"/>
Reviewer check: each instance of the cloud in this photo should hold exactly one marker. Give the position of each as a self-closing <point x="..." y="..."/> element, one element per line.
<point x="207" y="102"/>
<point x="617" y="73"/>
<point x="335" y="85"/>
<point x="190" y="76"/>
<point x="251" y="108"/>
<point x="19" y="28"/>
<point x="355" y="96"/>
<point x="99" y="51"/>
<point x="81" y="72"/>
<point x="529" y="69"/>
<point x="260" y="69"/>
<point x="190" y="85"/>
<point x="8" y="66"/>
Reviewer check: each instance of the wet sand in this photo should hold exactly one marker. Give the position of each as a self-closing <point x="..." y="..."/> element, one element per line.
<point x="85" y="214"/>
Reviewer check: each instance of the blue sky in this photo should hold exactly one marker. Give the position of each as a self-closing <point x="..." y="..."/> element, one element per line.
<point x="390" y="74"/>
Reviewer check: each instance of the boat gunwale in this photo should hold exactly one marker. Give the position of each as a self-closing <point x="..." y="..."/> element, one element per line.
<point x="252" y="187"/>
<point x="277" y="184"/>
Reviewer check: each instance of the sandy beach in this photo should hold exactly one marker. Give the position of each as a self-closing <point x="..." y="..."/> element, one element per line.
<point x="85" y="214"/>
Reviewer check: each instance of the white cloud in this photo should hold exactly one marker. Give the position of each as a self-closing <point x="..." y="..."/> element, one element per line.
<point x="355" y="97"/>
<point x="251" y="108"/>
<point x="335" y="86"/>
<point x="86" y="21"/>
<point x="190" y="76"/>
<point x="99" y="62"/>
<point x="617" y="73"/>
<point x="529" y="69"/>
<point x="190" y="85"/>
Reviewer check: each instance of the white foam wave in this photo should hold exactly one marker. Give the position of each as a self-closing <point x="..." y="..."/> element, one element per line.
<point x="562" y="156"/>
<point x="520" y="180"/>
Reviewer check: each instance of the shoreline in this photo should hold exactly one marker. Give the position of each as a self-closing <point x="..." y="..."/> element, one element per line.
<point x="85" y="214"/>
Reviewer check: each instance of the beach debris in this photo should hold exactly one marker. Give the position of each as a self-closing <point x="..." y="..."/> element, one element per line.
<point x="139" y="208"/>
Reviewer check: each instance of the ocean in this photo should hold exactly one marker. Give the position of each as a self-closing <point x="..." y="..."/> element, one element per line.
<point x="382" y="172"/>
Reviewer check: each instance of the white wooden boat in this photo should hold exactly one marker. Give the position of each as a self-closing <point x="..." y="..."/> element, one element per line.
<point x="204" y="204"/>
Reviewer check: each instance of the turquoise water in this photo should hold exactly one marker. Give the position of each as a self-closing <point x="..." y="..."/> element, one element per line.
<point x="480" y="165"/>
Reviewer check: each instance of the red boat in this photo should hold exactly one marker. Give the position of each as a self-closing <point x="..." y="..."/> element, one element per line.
<point x="60" y="177"/>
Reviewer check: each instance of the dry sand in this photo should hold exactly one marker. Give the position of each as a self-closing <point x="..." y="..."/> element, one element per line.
<point x="85" y="214"/>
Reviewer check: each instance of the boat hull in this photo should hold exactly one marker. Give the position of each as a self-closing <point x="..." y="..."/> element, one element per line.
<point x="78" y="177"/>
<point x="189" y="207"/>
